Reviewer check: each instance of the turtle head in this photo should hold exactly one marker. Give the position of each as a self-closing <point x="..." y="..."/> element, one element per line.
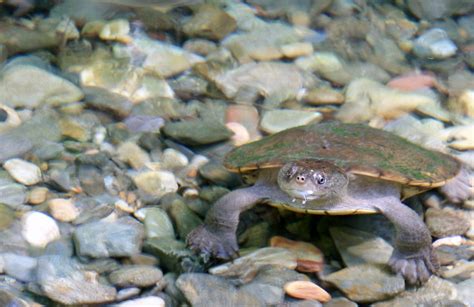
<point x="312" y="180"/>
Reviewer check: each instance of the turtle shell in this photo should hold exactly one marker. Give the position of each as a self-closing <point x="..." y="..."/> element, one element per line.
<point x="356" y="148"/>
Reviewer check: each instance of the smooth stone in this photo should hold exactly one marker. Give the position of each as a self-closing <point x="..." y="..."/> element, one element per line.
<point x="184" y="218"/>
<point x="327" y="64"/>
<point x="188" y="86"/>
<point x="173" y="159"/>
<point x="107" y="101"/>
<point x="116" y="30"/>
<point x="48" y="151"/>
<point x="200" y="46"/>
<point x="244" y="268"/>
<point x="465" y="103"/>
<point x="122" y="238"/>
<point x="367" y="283"/>
<point x="444" y="222"/>
<point x="340" y="302"/>
<point x="278" y="120"/>
<point x="136" y="276"/>
<point x="158" y="224"/>
<point x="323" y="95"/>
<point x="218" y="174"/>
<point x="9" y="118"/>
<point x="45" y="87"/>
<point x="74" y="128"/>
<point x="306" y="290"/>
<point x="13" y="146"/>
<point x="38" y="229"/>
<point x="435" y="292"/>
<point x="459" y="137"/>
<point x="464" y="291"/>
<point x="209" y="22"/>
<point x="144" y="123"/>
<point x="297" y="49"/>
<point x="208" y="290"/>
<point x="61" y="280"/>
<point x="247" y="116"/>
<point x="241" y="135"/>
<point x="309" y="257"/>
<point x="133" y="154"/>
<point x="127" y="293"/>
<point x="434" y="43"/>
<point x="63" y="210"/>
<point x="366" y="99"/>
<point x="436" y="9"/>
<point x="197" y="132"/>
<point x="360" y="247"/>
<point x="20" y="267"/>
<point x="23" y="171"/>
<point x="13" y="195"/>
<point x="149" y="301"/>
<point x="270" y="295"/>
<point x="156" y="183"/>
<point x="7" y="216"/>
<point x="461" y="271"/>
<point x="173" y="254"/>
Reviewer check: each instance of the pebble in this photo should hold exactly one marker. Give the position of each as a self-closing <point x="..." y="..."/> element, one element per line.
<point x="13" y="195"/>
<point x="127" y="293"/>
<point x="7" y="217"/>
<point x="38" y="229"/>
<point x="122" y="238"/>
<point x="38" y="195"/>
<point x="20" y="267"/>
<point x="8" y="118"/>
<point x="158" y="224"/>
<point x="459" y="137"/>
<point x="116" y="30"/>
<point x="107" y="101"/>
<point x="359" y="247"/>
<point x="156" y="183"/>
<point x="63" y="210"/>
<point x="366" y="99"/>
<point x="133" y="154"/>
<point x="306" y="290"/>
<point x="136" y="276"/>
<point x="413" y="82"/>
<point x="465" y="103"/>
<point x="173" y="254"/>
<point x="173" y="159"/>
<point x="45" y="87"/>
<point x="367" y="283"/>
<point x="278" y="120"/>
<point x="323" y="95"/>
<point x="218" y="174"/>
<point x="444" y="223"/>
<point x="464" y="291"/>
<point x="245" y="115"/>
<point x="309" y="257"/>
<point x="200" y="46"/>
<point x="149" y="301"/>
<point x="295" y="50"/>
<point x="144" y="123"/>
<point x="184" y="218"/>
<point x="245" y="267"/>
<point x="23" y="171"/>
<point x="197" y="132"/>
<point x="340" y="302"/>
<point x="210" y="22"/>
<point x="434" y="43"/>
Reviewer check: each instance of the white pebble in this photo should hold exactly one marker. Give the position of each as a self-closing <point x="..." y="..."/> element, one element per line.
<point x="173" y="159"/>
<point x="150" y="301"/>
<point x="156" y="183"/>
<point x="63" y="210"/>
<point x="23" y="171"/>
<point x="38" y="229"/>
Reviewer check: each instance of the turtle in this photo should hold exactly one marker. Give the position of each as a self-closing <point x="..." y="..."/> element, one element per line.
<point x="335" y="168"/>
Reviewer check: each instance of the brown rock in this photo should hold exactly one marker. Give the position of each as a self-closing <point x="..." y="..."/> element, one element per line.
<point x="210" y="22"/>
<point x="308" y="257"/>
<point x="306" y="290"/>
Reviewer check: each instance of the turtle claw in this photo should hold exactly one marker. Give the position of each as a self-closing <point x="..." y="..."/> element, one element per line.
<point x="206" y="242"/>
<point x="458" y="188"/>
<point x="416" y="269"/>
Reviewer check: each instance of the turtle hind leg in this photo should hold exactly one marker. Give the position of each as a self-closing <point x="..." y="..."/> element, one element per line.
<point x="211" y="244"/>
<point x="413" y="256"/>
<point x="458" y="188"/>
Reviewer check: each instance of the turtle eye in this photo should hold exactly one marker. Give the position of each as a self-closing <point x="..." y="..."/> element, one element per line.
<point x="320" y="178"/>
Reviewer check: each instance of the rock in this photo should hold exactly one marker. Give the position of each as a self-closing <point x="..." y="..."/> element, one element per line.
<point x="434" y="43"/>
<point x="144" y="123"/>
<point x="323" y="95"/>
<point x="14" y="146"/>
<point x="270" y="295"/>
<point x="359" y="247"/>
<point x="133" y="154"/>
<point x="295" y="50"/>
<point x="462" y="270"/>
<point x="307" y="290"/>
<point x="197" y="132"/>
<point x="458" y="137"/>
<point x="38" y="229"/>
<point x="326" y="64"/>
<point x="444" y="223"/>
<point x="45" y="87"/>
<point x="278" y="120"/>
<point x="340" y="302"/>
<point x="156" y="183"/>
<point x="367" y="283"/>
<point x="263" y="43"/>
<point x="439" y="8"/>
<point x="200" y="46"/>
<point x="158" y="224"/>
<point x="241" y="134"/>
<point x="8" y="118"/>
<point x="107" y="101"/>
<point x="464" y="291"/>
<point x="122" y="238"/>
<point x="209" y="22"/>
<point x="173" y="254"/>
<point x="13" y="195"/>
<point x="218" y="174"/>
<point x="63" y="210"/>
<point x="20" y="267"/>
<point x="247" y="116"/>
<point x="184" y="218"/>
<point x="61" y="280"/>
<point x="148" y="301"/>
<point x="173" y="159"/>
<point x="366" y="99"/>
<point x="413" y="81"/>
<point x="434" y="292"/>
<point x="245" y="268"/>
<point x="136" y="276"/>
<point x="23" y="171"/>
<point x="127" y="293"/>
<point x="38" y="195"/>
<point x="116" y="30"/>
<point x="465" y="103"/>
<point x="203" y="289"/>
<point x="308" y="257"/>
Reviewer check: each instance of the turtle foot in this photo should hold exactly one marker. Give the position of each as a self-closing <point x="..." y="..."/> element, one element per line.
<point x="417" y="268"/>
<point x="459" y="188"/>
<point x="220" y="245"/>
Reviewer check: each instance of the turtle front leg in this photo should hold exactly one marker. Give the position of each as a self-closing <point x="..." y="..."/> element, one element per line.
<point x="458" y="188"/>
<point x="413" y="255"/>
<point x="217" y="237"/>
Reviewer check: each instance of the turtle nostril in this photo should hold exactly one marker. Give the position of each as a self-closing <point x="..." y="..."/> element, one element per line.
<point x="300" y="179"/>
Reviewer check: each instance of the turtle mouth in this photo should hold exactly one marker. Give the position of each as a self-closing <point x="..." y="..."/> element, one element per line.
<point x="301" y="194"/>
